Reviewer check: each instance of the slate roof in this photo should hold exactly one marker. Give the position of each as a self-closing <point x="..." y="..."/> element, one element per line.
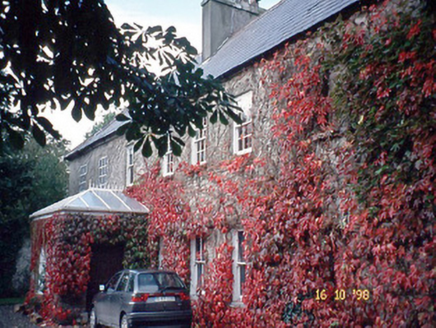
<point x="93" y="200"/>
<point x="280" y="23"/>
<point x="108" y="130"/>
<point x="286" y="19"/>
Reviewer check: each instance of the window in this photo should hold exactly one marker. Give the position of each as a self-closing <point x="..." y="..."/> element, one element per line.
<point x="112" y="284"/>
<point x="131" y="286"/>
<point x="83" y="171"/>
<point x="197" y="265"/>
<point x="130" y="166"/>
<point x="161" y="250"/>
<point x="124" y="282"/>
<point x="198" y="154"/>
<point x="168" y="165"/>
<point x="243" y="133"/>
<point x="239" y="265"/>
<point x="102" y="172"/>
<point x="40" y="281"/>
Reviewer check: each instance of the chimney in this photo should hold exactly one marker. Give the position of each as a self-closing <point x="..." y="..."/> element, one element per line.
<point x="222" y="18"/>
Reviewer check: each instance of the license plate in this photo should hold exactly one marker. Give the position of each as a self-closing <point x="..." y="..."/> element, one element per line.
<point x="164" y="299"/>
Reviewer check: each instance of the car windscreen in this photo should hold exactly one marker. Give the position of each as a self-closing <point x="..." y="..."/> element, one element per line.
<point x="153" y="282"/>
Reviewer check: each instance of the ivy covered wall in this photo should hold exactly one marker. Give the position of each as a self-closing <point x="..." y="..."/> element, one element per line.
<point x="67" y="241"/>
<point x="337" y="199"/>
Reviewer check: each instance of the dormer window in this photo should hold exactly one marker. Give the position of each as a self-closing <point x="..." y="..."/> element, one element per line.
<point x="243" y="133"/>
<point x="198" y="154"/>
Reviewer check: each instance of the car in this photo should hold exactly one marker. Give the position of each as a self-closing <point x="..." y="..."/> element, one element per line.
<point x="142" y="298"/>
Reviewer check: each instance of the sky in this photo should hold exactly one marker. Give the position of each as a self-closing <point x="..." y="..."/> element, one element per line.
<point x="184" y="15"/>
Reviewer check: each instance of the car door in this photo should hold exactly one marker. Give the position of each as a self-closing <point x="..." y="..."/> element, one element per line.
<point x="102" y="305"/>
<point x="117" y="299"/>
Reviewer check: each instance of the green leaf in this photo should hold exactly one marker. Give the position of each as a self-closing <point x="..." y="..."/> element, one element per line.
<point x="77" y="113"/>
<point x="234" y="116"/>
<point x="146" y="148"/>
<point x="48" y="127"/>
<point x="138" y="144"/>
<point x="154" y="29"/>
<point x="39" y="135"/>
<point x="171" y="29"/>
<point x="191" y="131"/>
<point x="16" y="138"/>
<point x="161" y="145"/>
<point x="223" y="119"/>
<point x="179" y="141"/>
<point x="175" y="147"/>
<point x="132" y="132"/>
<point x="122" y="118"/>
<point x="123" y="128"/>
<point x="214" y="117"/>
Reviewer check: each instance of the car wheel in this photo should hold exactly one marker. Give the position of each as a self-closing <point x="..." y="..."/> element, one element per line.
<point x="93" y="320"/>
<point x="123" y="322"/>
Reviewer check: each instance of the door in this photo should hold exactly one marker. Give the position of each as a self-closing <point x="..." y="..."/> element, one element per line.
<point x="117" y="300"/>
<point x="103" y="301"/>
<point x="106" y="260"/>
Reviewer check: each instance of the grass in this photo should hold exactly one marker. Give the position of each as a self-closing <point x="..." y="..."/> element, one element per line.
<point x="11" y="301"/>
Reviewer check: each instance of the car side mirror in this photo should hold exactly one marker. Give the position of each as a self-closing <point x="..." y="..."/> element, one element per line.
<point x="101" y="288"/>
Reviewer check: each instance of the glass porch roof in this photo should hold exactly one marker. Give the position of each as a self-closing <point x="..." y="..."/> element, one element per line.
<point x="97" y="201"/>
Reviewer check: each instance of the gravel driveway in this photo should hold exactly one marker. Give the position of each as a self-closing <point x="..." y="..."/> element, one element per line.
<point x="10" y="319"/>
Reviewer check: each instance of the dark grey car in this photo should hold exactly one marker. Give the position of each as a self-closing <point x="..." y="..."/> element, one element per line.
<point x="142" y="298"/>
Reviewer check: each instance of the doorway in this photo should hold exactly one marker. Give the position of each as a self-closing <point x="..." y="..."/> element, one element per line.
<point x="106" y="260"/>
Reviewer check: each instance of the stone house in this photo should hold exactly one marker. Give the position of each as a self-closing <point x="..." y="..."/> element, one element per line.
<point x="236" y="36"/>
<point x="196" y="225"/>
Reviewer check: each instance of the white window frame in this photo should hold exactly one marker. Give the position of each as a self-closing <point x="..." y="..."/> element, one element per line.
<point x="168" y="164"/>
<point x="239" y="266"/>
<point x="243" y="133"/>
<point x="130" y="165"/>
<point x="83" y="171"/>
<point x="198" y="265"/>
<point x="160" y="256"/>
<point x="103" y="168"/>
<point x="40" y="279"/>
<point x="199" y="145"/>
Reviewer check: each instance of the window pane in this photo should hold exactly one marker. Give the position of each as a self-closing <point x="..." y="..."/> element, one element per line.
<point x="199" y="275"/>
<point x="241" y="277"/>
<point x="123" y="283"/>
<point x="166" y="280"/>
<point x="147" y="283"/>
<point x="241" y="246"/>
<point x="199" y="249"/>
<point x="113" y="282"/>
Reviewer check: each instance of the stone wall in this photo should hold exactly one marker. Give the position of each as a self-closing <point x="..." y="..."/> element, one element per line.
<point x="115" y="148"/>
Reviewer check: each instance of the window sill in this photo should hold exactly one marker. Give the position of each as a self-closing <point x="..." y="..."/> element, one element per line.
<point x="199" y="163"/>
<point x="237" y="304"/>
<point x="243" y="152"/>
